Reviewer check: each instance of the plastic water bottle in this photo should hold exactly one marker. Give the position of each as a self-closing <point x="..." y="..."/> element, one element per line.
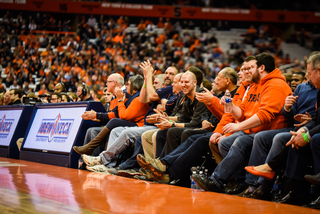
<point x="276" y="191"/>
<point x="227" y="105"/>
<point x="193" y="184"/>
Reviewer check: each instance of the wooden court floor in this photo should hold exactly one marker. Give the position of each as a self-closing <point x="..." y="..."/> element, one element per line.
<point x="29" y="187"/>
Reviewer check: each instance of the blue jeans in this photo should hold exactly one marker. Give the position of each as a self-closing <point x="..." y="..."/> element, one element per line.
<point x="226" y="143"/>
<point x="265" y="144"/>
<point x="236" y="159"/>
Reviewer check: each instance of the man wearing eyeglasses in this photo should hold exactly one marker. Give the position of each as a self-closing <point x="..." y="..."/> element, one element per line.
<point x="55" y="98"/>
<point x="113" y="81"/>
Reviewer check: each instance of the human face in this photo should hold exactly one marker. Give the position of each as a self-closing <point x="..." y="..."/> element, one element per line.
<point x="79" y="91"/>
<point x="215" y="86"/>
<point x="64" y="99"/>
<point x="107" y="96"/>
<point x="296" y="80"/>
<point x="222" y="82"/>
<point x="314" y="75"/>
<point x="248" y="69"/>
<point x="256" y="76"/>
<point x="58" y="88"/>
<point x="156" y="83"/>
<point x="54" y="99"/>
<point x="111" y="84"/>
<point x="176" y="87"/>
<point x="241" y="75"/>
<point x="128" y="85"/>
<point x="12" y="96"/>
<point x="6" y="98"/>
<point x="187" y="85"/>
<point x="169" y="75"/>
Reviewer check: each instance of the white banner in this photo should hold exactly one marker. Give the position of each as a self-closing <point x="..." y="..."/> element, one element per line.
<point x="54" y="129"/>
<point x="8" y="123"/>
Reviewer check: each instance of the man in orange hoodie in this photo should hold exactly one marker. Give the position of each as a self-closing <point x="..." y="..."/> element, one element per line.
<point x="260" y="110"/>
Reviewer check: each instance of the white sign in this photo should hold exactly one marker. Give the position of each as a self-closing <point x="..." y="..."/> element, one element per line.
<point x="8" y="123"/>
<point x="54" y="129"/>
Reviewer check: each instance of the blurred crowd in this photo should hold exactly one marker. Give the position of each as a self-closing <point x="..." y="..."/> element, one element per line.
<point x="37" y="62"/>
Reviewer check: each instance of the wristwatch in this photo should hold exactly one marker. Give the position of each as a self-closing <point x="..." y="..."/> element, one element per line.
<point x="173" y="124"/>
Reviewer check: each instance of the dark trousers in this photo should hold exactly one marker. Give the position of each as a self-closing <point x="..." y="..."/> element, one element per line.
<point x="116" y="122"/>
<point x="315" y="148"/>
<point x="161" y="141"/>
<point x="299" y="162"/>
<point x="172" y="156"/>
<point x="279" y="161"/>
<point x="193" y="156"/>
<point x="178" y="134"/>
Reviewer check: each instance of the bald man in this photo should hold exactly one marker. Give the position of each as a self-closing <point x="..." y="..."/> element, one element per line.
<point x="59" y="88"/>
<point x="191" y="118"/>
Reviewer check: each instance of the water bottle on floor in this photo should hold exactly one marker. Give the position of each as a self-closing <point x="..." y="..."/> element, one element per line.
<point x="193" y="184"/>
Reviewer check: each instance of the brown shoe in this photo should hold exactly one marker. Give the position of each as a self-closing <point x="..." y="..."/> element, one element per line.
<point x="83" y="150"/>
<point x="128" y="173"/>
<point x="154" y="165"/>
<point x="94" y="143"/>
<point x="151" y="176"/>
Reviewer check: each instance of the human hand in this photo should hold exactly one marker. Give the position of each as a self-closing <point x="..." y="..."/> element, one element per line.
<point x="297" y="140"/>
<point x="231" y="128"/>
<point x="204" y="97"/>
<point x="89" y="115"/>
<point x="207" y="125"/>
<point x="147" y="68"/>
<point x="154" y="118"/>
<point x="214" y="137"/>
<point x="290" y="101"/>
<point x="220" y="138"/>
<point x="162" y="113"/>
<point x="302" y="118"/>
<point x="119" y="93"/>
<point x="223" y="100"/>
<point x="164" y="124"/>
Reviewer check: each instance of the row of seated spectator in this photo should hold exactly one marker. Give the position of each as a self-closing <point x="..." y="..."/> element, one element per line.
<point x="253" y="132"/>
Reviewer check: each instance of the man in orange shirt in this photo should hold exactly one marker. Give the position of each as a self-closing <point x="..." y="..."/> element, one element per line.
<point x="114" y="80"/>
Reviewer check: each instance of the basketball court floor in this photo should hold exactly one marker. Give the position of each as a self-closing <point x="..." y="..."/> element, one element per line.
<point x="29" y="187"/>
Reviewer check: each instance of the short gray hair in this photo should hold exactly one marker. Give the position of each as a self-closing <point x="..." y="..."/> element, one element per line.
<point x="314" y="60"/>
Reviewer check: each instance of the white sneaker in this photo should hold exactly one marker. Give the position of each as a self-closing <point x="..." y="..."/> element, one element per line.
<point x="91" y="161"/>
<point x="97" y="168"/>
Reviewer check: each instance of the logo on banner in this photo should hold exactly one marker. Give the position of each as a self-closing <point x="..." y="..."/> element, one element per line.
<point x="5" y="126"/>
<point x="56" y="130"/>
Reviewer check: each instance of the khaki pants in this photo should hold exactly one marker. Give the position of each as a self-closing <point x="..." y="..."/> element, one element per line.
<point x="148" y="139"/>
